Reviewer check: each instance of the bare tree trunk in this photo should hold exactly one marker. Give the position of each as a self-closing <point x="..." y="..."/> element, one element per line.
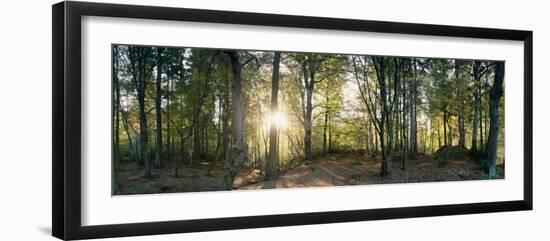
<point x="438" y="134"/>
<point x="115" y="166"/>
<point x="477" y="94"/>
<point x="271" y="164"/>
<point x="496" y="93"/>
<point x="158" y="110"/>
<point x="308" y="122"/>
<point x="325" y="137"/>
<point x="412" y="110"/>
<point x="460" y="106"/>
<point x="329" y="148"/>
<point x="138" y="57"/>
<point x="380" y="69"/>
<point x="239" y="152"/>
<point x="445" y="128"/>
<point x="404" y="138"/>
<point x="225" y="131"/>
<point x="168" y="127"/>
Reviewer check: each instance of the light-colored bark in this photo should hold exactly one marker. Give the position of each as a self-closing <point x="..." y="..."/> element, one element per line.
<point x="239" y="151"/>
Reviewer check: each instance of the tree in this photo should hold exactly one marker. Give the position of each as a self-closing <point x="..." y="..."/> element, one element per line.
<point x="380" y="66"/>
<point x="158" y="110"/>
<point x="494" y="101"/>
<point x="116" y="112"/>
<point x="477" y="103"/>
<point x="271" y="164"/>
<point x="412" y="108"/>
<point x="478" y="71"/>
<point x="460" y="105"/>
<point x="404" y="109"/>
<point x="239" y="152"/>
<point x="140" y="69"/>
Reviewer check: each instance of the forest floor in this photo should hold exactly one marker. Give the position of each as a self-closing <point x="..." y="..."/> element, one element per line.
<point x="329" y="170"/>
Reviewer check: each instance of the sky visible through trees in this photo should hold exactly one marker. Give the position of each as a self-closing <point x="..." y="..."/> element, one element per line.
<point x="198" y="119"/>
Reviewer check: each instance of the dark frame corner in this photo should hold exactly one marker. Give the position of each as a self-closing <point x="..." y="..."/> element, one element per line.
<point x="66" y="129"/>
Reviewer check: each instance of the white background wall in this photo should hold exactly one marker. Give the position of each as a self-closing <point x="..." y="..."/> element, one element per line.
<point x="25" y="119"/>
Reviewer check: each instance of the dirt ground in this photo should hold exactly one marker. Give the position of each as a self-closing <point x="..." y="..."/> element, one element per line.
<point x="330" y="170"/>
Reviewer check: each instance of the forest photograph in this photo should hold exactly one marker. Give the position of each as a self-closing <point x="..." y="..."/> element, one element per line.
<point x="187" y="119"/>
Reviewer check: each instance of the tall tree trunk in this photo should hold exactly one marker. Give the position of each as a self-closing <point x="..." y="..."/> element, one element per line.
<point x="412" y="110"/>
<point x="492" y="142"/>
<point x="482" y="123"/>
<point x="158" y="110"/>
<point x="115" y="168"/>
<point x="144" y="142"/>
<point x="225" y="131"/>
<point x="404" y="127"/>
<point x="380" y="69"/>
<point x="460" y="106"/>
<point x="239" y="152"/>
<point x="477" y="94"/>
<point x="308" y="120"/>
<point x="168" y="127"/>
<point x="138" y="58"/>
<point x="271" y="165"/>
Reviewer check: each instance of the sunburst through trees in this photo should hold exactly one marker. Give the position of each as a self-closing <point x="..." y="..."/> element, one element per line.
<point x="196" y="119"/>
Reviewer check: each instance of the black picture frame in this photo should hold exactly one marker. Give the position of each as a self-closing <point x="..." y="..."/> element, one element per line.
<point x="66" y="127"/>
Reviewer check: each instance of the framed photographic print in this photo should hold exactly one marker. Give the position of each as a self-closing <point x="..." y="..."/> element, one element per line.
<point x="169" y="120"/>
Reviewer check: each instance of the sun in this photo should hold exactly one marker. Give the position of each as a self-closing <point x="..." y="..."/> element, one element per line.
<point x="278" y="118"/>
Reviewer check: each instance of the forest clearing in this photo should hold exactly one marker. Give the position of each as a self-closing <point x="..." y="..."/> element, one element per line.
<point x="197" y="119"/>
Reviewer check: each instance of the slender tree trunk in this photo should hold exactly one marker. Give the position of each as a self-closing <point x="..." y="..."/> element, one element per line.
<point x="325" y="137"/>
<point x="329" y="148"/>
<point x="385" y="165"/>
<point x="115" y="167"/>
<point x="158" y="110"/>
<point x="138" y="56"/>
<point x="444" y="128"/>
<point x="404" y="127"/>
<point x="308" y="121"/>
<point x="481" y="143"/>
<point x="225" y="131"/>
<point x="496" y="93"/>
<point x="271" y="165"/>
<point x="438" y="129"/>
<point x="460" y="106"/>
<point x="367" y="139"/>
<point x="168" y="127"/>
<point x="376" y="137"/>
<point x="144" y="138"/>
<point x="477" y="94"/>
<point x="412" y="111"/>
